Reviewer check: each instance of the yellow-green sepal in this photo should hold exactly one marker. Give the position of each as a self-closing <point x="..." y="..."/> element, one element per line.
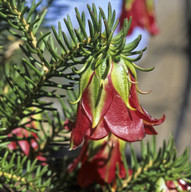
<point x="119" y="77"/>
<point x="103" y="69"/>
<point x="97" y="99"/>
<point x="84" y="81"/>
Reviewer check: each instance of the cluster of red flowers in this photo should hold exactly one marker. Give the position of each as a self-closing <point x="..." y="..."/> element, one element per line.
<point x="27" y="142"/>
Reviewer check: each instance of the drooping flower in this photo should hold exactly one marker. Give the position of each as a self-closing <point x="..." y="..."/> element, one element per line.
<point x="26" y="141"/>
<point x="142" y="13"/>
<point x="110" y="105"/>
<point x="99" y="162"/>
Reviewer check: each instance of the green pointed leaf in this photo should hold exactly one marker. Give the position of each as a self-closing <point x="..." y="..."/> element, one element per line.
<point x="131" y="46"/>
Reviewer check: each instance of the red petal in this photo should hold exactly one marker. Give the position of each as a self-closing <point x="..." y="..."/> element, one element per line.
<point x="86" y="101"/>
<point x="80" y="158"/>
<point x="98" y="132"/>
<point x="113" y="159"/>
<point x="147" y="118"/>
<point x="12" y="145"/>
<point x="88" y="174"/>
<point x="20" y="132"/>
<point x="142" y="16"/>
<point x="123" y="122"/>
<point x="103" y="165"/>
<point x="81" y="126"/>
<point x="170" y="184"/>
<point x="153" y="28"/>
<point x="41" y="158"/>
<point x="34" y="135"/>
<point x="87" y="177"/>
<point x="25" y="146"/>
<point x="34" y="144"/>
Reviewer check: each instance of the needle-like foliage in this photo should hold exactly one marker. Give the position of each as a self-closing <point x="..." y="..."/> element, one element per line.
<point x="37" y="65"/>
<point x="14" y="176"/>
<point x="156" y="164"/>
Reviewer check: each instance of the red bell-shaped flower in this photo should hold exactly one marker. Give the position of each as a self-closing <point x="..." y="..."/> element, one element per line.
<point x="99" y="162"/>
<point x="111" y="105"/>
<point x="142" y="13"/>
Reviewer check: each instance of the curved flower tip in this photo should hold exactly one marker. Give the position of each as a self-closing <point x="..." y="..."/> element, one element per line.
<point x="150" y="122"/>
